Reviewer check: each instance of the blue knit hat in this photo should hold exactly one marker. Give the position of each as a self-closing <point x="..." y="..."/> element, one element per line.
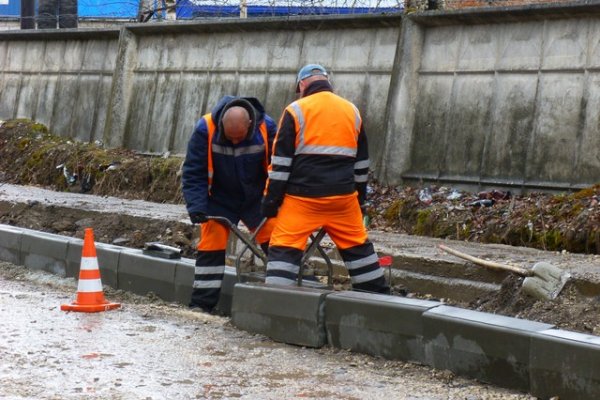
<point x="308" y="71"/>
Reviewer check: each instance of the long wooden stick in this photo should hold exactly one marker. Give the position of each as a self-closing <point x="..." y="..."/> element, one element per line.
<point x="485" y="263"/>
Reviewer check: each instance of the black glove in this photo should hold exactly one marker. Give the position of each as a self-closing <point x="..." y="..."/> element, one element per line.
<point x="268" y="211"/>
<point x="364" y="210"/>
<point x="198" y="217"/>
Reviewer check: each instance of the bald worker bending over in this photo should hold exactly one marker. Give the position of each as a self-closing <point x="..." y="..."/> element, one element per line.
<point x="224" y="175"/>
<point x="236" y="122"/>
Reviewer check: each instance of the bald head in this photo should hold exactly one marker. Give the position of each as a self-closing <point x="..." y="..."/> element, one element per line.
<point x="236" y="122"/>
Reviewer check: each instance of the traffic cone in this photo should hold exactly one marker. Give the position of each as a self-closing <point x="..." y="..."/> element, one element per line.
<point x="90" y="297"/>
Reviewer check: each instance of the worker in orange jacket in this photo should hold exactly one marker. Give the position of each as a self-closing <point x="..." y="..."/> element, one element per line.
<point x="318" y="178"/>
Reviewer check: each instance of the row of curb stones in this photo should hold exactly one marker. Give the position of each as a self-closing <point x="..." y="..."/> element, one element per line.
<point x="509" y="352"/>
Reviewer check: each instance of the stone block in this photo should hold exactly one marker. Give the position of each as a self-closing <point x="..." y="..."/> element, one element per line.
<point x="379" y="325"/>
<point x="108" y="261"/>
<point x="10" y="244"/>
<point x="141" y="274"/>
<point x="73" y="260"/>
<point x="565" y="364"/>
<point x="183" y="281"/>
<point x="488" y="347"/>
<point x="294" y="315"/>
<point x="44" y="251"/>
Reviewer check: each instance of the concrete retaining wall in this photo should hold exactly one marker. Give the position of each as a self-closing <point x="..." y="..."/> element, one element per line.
<point x="502" y="97"/>
<point x="62" y="79"/>
<point x="509" y="352"/>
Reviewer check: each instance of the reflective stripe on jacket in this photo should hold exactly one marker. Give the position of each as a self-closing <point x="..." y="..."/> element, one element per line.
<point x="212" y="128"/>
<point x="320" y="149"/>
<point x="237" y="173"/>
<point x="326" y="124"/>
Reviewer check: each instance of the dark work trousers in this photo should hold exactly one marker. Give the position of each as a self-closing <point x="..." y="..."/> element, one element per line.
<point x="208" y="277"/>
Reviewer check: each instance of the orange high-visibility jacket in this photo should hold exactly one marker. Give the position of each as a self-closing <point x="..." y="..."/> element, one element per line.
<point x="320" y="149"/>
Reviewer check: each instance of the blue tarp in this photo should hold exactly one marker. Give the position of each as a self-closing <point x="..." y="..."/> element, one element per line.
<point x="85" y="8"/>
<point x="108" y="8"/>
<point x="186" y="9"/>
<point x="12" y="9"/>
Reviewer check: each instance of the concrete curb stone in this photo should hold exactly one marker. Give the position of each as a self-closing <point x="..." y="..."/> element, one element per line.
<point x="379" y="325"/>
<point x="142" y="274"/>
<point x="489" y="347"/>
<point x="10" y="244"/>
<point x="44" y="251"/>
<point x="291" y="314"/>
<point x="565" y="364"/>
<point x="183" y="280"/>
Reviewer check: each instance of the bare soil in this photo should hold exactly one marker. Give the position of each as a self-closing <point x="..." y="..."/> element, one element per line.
<point x="119" y="229"/>
<point x="570" y="222"/>
<point x="30" y="155"/>
<point x="572" y="310"/>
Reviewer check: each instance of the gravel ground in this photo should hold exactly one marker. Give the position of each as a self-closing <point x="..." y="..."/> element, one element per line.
<point x="149" y="349"/>
<point x="131" y="223"/>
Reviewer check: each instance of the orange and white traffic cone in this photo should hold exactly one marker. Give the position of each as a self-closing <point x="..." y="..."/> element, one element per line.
<point x="90" y="297"/>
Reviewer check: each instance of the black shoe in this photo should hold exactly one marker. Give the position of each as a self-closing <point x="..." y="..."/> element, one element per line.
<point x="201" y="308"/>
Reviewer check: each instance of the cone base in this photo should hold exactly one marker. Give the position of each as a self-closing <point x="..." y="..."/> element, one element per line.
<point x="90" y="308"/>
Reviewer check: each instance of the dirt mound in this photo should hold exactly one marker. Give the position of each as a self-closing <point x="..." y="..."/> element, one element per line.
<point x="30" y="155"/>
<point x="569" y="222"/>
<point x="122" y="230"/>
<point x="571" y="310"/>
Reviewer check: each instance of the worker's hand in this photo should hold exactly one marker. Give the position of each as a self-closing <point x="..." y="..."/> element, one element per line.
<point x="198" y="217"/>
<point x="268" y="211"/>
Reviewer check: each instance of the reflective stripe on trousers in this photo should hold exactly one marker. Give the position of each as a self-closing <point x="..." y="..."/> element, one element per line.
<point x="362" y="263"/>
<point x="208" y="277"/>
<point x="341" y="217"/>
<point x="283" y="266"/>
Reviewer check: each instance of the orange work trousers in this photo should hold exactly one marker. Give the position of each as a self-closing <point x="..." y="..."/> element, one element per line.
<point x="214" y="235"/>
<point x="298" y="217"/>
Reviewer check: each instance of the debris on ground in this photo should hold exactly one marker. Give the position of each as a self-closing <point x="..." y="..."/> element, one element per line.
<point x="30" y="155"/>
<point x="561" y="222"/>
<point x="567" y="223"/>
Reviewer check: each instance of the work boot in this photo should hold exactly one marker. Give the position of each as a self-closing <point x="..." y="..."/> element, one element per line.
<point x="378" y="285"/>
<point x="204" y="300"/>
<point x="202" y="309"/>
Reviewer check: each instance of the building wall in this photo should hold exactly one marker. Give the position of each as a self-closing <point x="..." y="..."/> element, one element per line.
<point x="63" y="81"/>
<point x="421" y="5"/>
<point x="497" y="97"/>
<point x="456" y="4"/>
<point x="504" y="98"/>
<point x="179" y="74"/>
